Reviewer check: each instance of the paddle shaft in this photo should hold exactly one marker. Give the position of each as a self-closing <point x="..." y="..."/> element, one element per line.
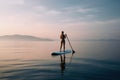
<point x="69" y="43"/>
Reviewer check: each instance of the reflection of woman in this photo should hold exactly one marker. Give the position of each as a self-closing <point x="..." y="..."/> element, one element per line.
<point x="62" y="64"/>
<point x="62" y="37"/>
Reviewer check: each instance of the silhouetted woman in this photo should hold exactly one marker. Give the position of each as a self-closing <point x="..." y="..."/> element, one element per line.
<point x="62" y="37"/>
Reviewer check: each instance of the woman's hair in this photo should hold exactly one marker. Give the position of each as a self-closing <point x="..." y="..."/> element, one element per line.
<point x="62" y="31"/>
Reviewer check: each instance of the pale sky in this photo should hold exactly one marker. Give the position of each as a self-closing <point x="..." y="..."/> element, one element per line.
<point x="80" y="19"/>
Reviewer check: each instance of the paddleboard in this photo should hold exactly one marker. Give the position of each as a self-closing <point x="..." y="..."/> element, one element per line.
<point x="62" y="52"/>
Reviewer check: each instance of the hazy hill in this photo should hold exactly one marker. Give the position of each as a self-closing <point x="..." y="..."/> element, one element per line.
<point x="23" y="37"/>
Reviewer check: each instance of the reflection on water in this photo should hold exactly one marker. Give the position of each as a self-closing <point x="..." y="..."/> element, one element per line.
<point x="33" y="61"/>
<point x="62" y="64"/>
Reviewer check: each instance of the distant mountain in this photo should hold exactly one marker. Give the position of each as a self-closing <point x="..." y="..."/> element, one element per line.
<point x="23" y="37"/>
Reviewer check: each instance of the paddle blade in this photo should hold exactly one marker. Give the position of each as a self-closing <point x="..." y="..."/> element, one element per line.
<point x="73" y="51"/>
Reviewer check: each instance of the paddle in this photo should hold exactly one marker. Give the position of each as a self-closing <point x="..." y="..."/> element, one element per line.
<point x="70" y="44"/>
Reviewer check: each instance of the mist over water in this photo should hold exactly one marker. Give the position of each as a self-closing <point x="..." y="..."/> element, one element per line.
<point x="32" y="60"/>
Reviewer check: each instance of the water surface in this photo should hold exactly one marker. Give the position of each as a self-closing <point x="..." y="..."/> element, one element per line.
<point x="93" y="60"/>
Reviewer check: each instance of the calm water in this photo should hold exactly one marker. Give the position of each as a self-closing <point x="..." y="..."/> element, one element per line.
<point x="93" y="60"/>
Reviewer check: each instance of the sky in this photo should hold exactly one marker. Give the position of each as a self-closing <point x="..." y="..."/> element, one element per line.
<point x="79" y="19"/>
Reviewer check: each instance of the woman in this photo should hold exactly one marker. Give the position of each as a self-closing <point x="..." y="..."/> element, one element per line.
<point x="62" y="37"/>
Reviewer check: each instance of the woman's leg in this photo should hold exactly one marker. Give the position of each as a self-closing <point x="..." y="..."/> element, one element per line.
<point x="61" y="46"/>
<point x="64" y="46"/>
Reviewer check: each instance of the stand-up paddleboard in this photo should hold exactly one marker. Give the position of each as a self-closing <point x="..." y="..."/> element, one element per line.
<point x="62" y="52"/>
